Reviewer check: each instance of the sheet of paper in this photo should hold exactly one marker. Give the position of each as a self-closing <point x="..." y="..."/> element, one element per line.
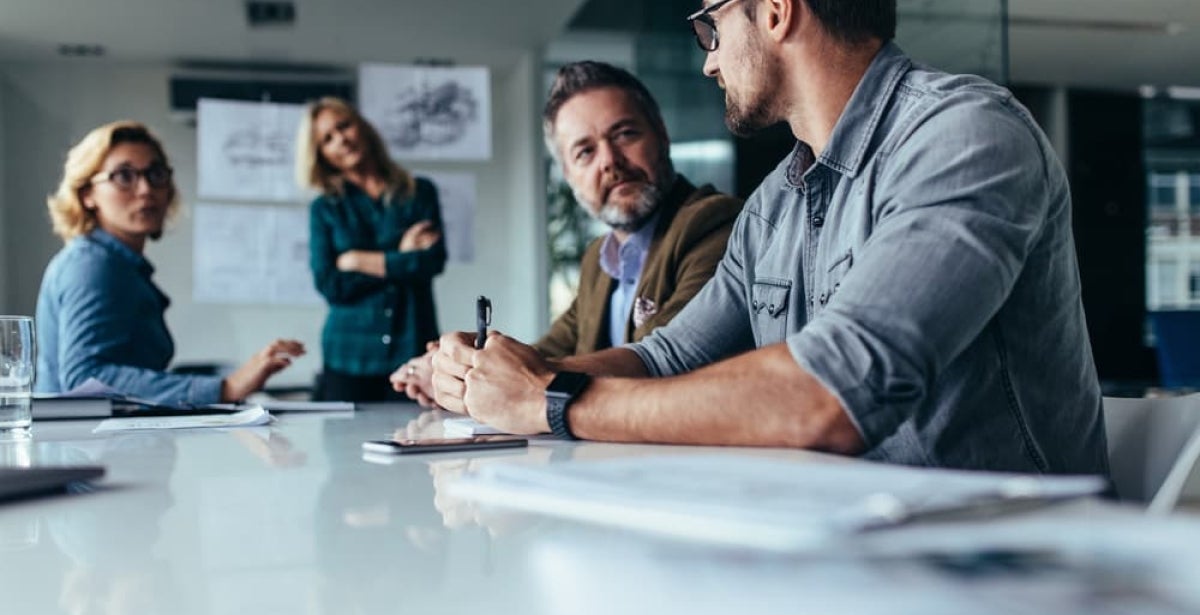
<point x="746" y="501"/>
<point x="251" y="254"/>
<point x="251" y="415"/>
<point x="429" y="113"/>
<point x="459" y="200"/>
<point x="246" y="150"/>
<point x="279" y="405"/>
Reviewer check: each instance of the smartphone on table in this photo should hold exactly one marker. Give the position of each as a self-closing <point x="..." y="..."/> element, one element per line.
<point x="440" y="445"/>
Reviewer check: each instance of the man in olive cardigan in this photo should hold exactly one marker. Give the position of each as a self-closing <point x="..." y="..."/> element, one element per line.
<point x="607" y="134"/>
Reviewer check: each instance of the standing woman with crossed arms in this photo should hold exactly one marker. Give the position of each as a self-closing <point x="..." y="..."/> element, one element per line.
<point x="375" y="247"/>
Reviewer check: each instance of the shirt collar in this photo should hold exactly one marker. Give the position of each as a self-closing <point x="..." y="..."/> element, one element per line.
<point x="115" y="246"/>
<point x="633" y="252"/>
<point x="852" y="134"/>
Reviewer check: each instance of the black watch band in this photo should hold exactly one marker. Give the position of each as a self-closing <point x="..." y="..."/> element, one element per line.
<point x="563" y="390"/>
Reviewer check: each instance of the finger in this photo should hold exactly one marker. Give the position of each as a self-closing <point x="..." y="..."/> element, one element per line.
<point x="431" y="347"/>
<point x="448" y="393"/>
<point x="446" y="365"/>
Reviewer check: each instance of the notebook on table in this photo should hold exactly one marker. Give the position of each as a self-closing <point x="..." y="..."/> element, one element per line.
<point x="27" y="482"/>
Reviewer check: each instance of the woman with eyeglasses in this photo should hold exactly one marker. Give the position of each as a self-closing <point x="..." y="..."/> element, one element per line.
<point x="375" y="246"/>
<point x="99" y="314"/>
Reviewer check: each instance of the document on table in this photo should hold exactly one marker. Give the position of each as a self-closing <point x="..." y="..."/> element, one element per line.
<point x="250" y="415"/>
<point x="753" y="501"/>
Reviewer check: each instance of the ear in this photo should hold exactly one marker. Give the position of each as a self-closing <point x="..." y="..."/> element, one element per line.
<point x="85" y="198"/>
<point x="782" y="17"/>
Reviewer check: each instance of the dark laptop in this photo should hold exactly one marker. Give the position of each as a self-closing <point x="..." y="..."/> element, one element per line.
<point x="25" y="482"/>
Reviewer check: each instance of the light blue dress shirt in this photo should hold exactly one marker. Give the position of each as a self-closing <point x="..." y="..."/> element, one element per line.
<point x="100" y="316"/>
<point x="623" y="263"/>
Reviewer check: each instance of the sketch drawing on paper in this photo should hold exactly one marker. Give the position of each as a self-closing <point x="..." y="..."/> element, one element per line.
<point x="253" y="148"/>
<point x="431" y="115"/>
<point x="245" y="150"/>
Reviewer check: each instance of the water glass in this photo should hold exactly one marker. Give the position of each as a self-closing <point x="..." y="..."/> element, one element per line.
<point x="18" y="356"/>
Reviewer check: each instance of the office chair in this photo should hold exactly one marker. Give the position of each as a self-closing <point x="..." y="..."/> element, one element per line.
<point x="1154" y="449"/>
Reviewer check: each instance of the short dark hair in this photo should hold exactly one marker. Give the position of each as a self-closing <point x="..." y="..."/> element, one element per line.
<point x="851" y="21"/>
<point x="579" y="77"/>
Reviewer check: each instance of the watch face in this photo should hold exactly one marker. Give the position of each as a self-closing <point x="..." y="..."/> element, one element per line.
<point x="568" y="384"/>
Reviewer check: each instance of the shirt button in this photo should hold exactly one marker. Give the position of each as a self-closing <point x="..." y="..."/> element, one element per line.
<point x="386" y="339"/>
<point x="818" y="221"/>
<point x="388" y="312"/>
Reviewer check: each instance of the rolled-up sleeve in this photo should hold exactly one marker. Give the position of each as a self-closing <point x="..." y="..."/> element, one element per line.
<point x="956" y="216"/>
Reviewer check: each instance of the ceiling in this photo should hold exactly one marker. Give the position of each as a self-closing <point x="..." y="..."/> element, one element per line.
<point x="1105" y="43"/>
<point x="1092" y="43"/>
<point x="326" y="31"/>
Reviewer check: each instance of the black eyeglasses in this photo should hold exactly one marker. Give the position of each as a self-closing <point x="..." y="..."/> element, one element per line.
<point x="126" y="178"/>
<point x="704" y="27"/>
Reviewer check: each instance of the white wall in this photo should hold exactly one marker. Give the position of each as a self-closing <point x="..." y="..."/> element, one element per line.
<point x="49" y="106"/>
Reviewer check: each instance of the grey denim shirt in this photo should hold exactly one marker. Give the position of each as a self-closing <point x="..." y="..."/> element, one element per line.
<point x="923" y="270"/>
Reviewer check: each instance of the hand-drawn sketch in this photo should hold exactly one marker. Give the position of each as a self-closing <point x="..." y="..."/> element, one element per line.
<point x="426" y="113"/>
<point x="245" y="150"/>
<point x="251" y="254"/>
<point x="458" y="198"/>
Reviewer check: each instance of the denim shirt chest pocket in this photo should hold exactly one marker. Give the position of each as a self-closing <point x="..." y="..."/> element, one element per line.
<point x="769" y="309"/>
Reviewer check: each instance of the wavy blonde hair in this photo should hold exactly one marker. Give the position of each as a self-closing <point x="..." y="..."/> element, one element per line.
<point x="67" y="212"/>
<point x="313" y="171"/>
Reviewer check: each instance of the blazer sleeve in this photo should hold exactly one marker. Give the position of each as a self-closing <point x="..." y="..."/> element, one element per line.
<point x="563" y="337"/>
<point x="420" y="264"/>
<point x="700" y="246"/>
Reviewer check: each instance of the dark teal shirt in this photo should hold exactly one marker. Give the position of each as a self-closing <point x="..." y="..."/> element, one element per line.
<point x="375" y="324"/>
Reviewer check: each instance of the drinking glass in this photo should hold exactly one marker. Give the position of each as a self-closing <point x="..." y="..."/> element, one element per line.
<point x="18" y="356"/>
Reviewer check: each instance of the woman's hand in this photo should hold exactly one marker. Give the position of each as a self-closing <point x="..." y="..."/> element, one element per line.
<point x="265" y="363"/>
<point x="420" y="236"/>
<point x="362" y="261"/>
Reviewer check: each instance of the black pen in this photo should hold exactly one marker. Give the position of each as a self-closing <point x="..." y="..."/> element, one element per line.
<point x="483" y="318"/>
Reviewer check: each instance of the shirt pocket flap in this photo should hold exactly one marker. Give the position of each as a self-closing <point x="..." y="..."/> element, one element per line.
<point x="771" y="296"/>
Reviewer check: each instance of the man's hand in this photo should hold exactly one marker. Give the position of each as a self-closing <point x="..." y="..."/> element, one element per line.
<point x="251" y="376"/>
<point x="506" y="386"/>
<point x="420" y="236"/>
<point x="455" y="355"/>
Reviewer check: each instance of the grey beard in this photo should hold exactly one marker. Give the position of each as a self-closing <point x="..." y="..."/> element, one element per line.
<point x="619" y="219"/>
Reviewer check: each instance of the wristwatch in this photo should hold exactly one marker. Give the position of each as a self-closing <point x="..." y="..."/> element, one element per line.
<point x="563" y="390"/>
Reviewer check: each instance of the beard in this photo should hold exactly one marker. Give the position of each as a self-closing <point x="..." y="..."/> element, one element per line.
<point x="631" y="215"/>
<point x="753" y="112"/>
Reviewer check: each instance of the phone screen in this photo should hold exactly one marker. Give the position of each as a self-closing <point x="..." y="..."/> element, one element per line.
<point x="403" y="447"/>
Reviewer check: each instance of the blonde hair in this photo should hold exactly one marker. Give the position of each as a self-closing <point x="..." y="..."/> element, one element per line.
<point x="313" y="171"/>
<point x="67" y="212"/>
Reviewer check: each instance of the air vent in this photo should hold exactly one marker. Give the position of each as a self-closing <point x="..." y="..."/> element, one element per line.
<point x="270" y="14"/>
<point x="71" y="50"/>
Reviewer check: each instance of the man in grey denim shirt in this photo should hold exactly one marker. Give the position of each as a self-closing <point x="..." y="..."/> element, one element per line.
<point x="902" y="287"/>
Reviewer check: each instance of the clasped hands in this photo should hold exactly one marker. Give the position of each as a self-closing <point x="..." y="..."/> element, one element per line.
<point x="503" y="384"/>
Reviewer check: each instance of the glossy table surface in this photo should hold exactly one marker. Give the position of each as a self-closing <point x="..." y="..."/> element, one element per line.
<point x="291" y="519"/>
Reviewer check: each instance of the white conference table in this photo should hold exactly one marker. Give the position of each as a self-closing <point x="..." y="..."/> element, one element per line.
<point x="291" y="519"/>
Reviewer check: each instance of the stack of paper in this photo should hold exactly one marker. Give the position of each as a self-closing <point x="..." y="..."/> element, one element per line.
<point x="249" y="415"/>
<point x="751" y="501"/>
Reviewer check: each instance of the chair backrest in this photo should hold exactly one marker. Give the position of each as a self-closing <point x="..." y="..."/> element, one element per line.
<point x="1177" y="337"/>
<point x="1153" y="449"/>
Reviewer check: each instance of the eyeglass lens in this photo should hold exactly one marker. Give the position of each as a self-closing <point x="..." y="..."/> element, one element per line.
<point x="706" y="33"/>
<point x="157" y="176"/>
